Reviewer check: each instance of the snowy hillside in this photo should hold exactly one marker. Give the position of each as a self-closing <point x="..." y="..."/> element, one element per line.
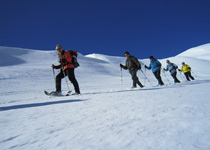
<point x="108" y="115"/>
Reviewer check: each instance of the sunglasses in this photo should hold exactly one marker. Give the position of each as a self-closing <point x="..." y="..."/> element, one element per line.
<point x="58" y="49"/>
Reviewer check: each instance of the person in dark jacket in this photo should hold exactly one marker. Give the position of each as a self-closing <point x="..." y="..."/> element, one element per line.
<point x="155" y="65"/>
<point x="66" y="69"/>
<point x="133" y="65"/>
<point x="172" y="69"/>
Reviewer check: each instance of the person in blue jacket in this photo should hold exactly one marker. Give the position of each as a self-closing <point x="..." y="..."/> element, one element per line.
<point x="172" y="69"/>
<point x="155" y="65"/>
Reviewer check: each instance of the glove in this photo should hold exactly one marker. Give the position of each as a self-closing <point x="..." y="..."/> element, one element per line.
<point x="145" y="66"/>
<point x="52" y="66"/>
<point x="121" y="66"/>
<point x="179" y="69"/>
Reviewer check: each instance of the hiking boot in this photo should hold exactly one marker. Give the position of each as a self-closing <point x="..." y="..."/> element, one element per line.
<point x="133" y="87"/>
<point x="141" y="86"/>
<point x="55" y="93"/>
<point x="76" y="93"/>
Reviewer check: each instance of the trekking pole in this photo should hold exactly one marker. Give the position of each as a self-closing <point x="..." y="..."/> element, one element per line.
<point x="65" y="79"/>
<point x="166" y="76"/>
<point x="53" y="72"/>
<point x="182" y="75"/>
<point x="121" y="75"/>
<point x="194" y="74"/>
<point x="146" y="77"/>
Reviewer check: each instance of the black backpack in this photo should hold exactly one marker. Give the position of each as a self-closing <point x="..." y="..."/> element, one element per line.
<point x="74" y="58"/>
<point x="137" y="63"/>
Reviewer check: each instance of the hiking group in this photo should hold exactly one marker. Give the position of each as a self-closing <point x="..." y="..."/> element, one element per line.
<point x="133" y="65"/>
<point x="68" y="62"/>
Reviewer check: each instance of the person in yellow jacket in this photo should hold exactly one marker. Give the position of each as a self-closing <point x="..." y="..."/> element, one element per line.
<point x="187" y="71"/>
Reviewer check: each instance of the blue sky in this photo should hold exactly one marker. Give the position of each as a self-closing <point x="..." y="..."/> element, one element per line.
<point x="161" y="28"/>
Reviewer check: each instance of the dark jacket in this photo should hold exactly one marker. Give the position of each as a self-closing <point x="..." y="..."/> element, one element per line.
<point x="132" y="63"/>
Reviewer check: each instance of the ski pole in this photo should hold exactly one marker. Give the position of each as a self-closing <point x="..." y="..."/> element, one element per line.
<point x="194" y="74"/>
<point x="53" y="72"/>
<point x="65" y="79"/>
<point x="182" y="75"/>
<point x="121" y="75"/>
<point x="146" y="77"/>
<point x="166" y="76"/>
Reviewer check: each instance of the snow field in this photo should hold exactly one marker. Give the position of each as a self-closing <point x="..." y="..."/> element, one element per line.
<point x="108" y="114"/>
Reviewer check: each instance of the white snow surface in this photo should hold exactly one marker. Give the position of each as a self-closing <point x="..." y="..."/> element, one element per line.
<point x="108" y="115"/>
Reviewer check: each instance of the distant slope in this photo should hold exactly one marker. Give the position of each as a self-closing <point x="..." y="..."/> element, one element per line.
<point x="199" y="52"/>
<point x="198" y="58"/>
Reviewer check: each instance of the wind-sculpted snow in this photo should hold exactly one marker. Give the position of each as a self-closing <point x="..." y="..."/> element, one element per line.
<point x="108" y="115"/>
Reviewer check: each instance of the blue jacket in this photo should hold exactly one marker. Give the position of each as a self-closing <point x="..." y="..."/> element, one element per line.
<point x="171" y="67"/>
<point x="155" y="65"/>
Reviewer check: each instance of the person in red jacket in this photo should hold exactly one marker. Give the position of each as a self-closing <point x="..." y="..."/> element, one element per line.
<point x="66" y="69"/>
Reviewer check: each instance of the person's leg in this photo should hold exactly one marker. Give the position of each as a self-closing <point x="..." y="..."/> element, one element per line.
<point x="58" y="81"/>
<point x="134" y="77"/>
<point x="158" y="77"/>
<point x="71" y="76"/>
<point x="175" y="78"/>
<point x="187" y="75"/>
<point x="191" y="76"/>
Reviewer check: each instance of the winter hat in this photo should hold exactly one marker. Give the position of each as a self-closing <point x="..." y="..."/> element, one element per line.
<point x="127" y="53"/>
<point x="151" y="57"/>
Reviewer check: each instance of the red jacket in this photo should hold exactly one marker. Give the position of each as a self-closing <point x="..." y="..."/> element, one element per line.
<point x="66" y="60"/>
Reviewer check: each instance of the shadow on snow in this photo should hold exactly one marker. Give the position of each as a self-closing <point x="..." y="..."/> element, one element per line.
<point x="37" y="104"/>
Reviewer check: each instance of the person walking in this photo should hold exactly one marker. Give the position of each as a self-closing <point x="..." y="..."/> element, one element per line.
<point x="187" y="71"/>
<point x="133" y="65"/>
<point x="155" y="65"/>
<point x="172" y="69"/>
<point x="66" y="69"/>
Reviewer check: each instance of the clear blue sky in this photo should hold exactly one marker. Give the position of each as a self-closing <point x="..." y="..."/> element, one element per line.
<point x="161" y="28"/>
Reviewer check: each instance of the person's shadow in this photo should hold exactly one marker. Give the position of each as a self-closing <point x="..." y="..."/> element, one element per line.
<point x="39" y="104"/>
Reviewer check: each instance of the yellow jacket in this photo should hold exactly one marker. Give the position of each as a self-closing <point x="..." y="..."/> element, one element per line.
<point x="185" y="68"/>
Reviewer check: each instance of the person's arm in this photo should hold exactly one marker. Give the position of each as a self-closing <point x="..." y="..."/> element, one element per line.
<point x="188" y="67"/>
<point x="175" y="66"/>
<point x="124" y="67"/>
<point x="166" y="68"/>
<point x="148" y="67"/>
<point x="56" y="67"/>
<point x="181" y="69"/>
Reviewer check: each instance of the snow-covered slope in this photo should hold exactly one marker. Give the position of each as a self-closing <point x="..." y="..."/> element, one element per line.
<point x="108" y="114"/>
<point x="201" y="52"/>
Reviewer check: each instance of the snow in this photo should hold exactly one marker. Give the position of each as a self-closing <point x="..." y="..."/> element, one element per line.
<point x="108" y="114"/>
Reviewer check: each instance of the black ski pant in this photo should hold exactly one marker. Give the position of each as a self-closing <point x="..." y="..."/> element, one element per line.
<point x="158" y="77"/>
<point x="187" y="75"/>
<point x="70" y="73"/>
<point x="135" y="78"/>
<point x="175" y="78"/>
